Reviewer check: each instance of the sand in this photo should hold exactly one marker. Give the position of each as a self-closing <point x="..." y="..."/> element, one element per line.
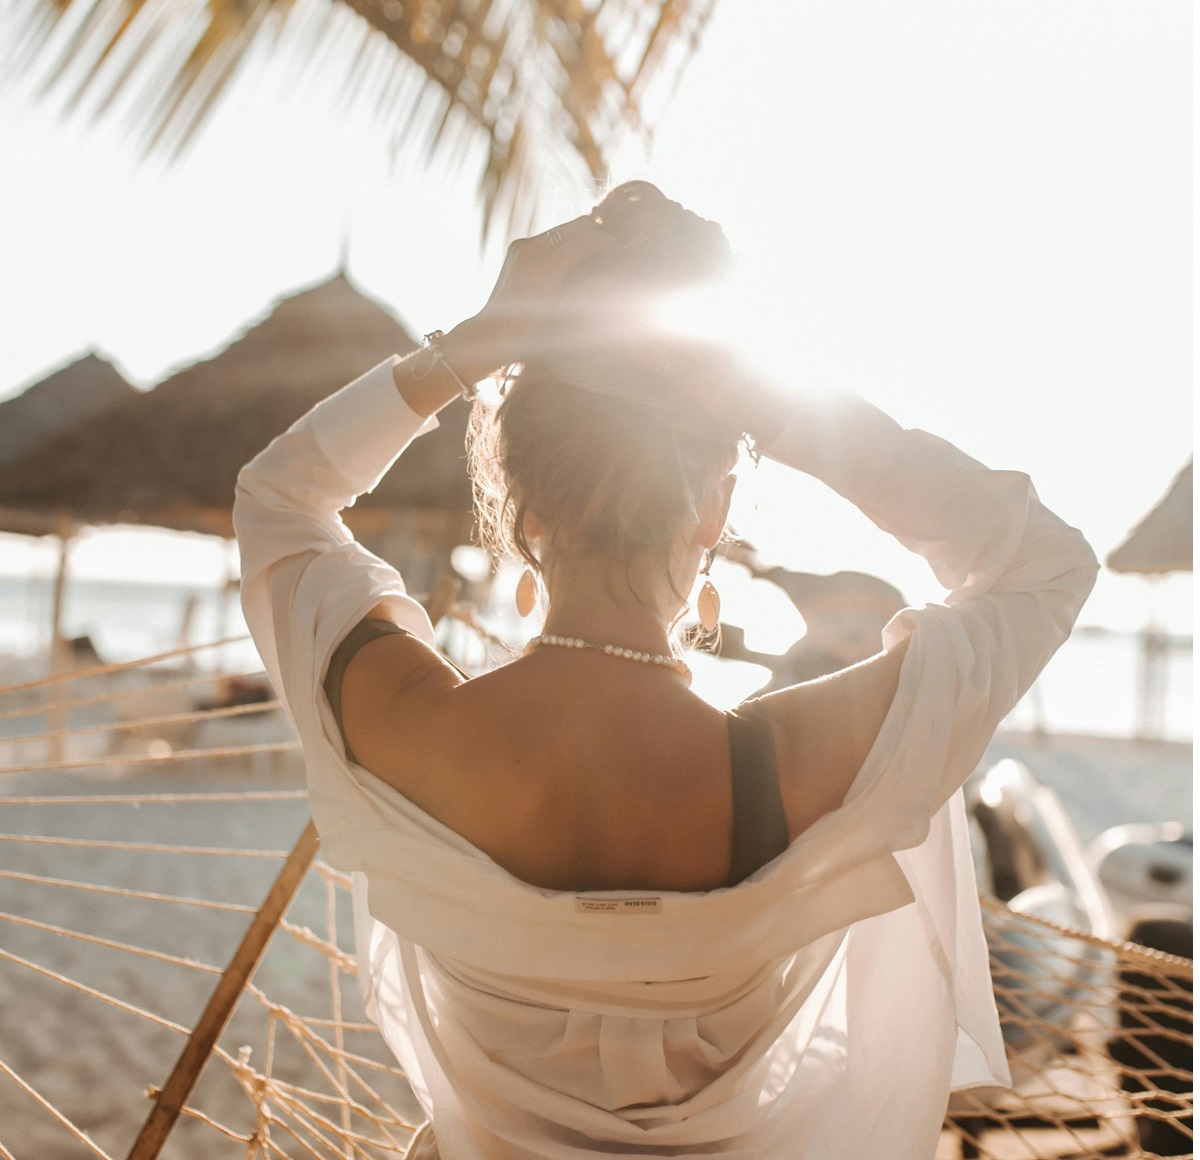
<point x="94" y="1062"/>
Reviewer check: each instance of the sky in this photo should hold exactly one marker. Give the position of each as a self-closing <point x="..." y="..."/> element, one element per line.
<point x="977" y="216"/>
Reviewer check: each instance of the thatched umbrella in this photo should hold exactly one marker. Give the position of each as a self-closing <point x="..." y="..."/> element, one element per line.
<point x="170" y="457"/>
<point x="58" y="403"/>
<point x="75" y="392"/>
<point x="1161" y="543"/>
<point x="62" y="400"/>
<point x="844" y="615"/>
<point x="1162" y="540"/>
<point x="550" y="87"/>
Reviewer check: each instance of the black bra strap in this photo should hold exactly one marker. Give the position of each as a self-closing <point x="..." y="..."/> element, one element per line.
<point x="760" y="832"/>
<point x="358" y="637"/>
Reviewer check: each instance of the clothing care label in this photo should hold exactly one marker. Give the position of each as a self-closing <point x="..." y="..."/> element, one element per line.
<point x="618" y="905"/>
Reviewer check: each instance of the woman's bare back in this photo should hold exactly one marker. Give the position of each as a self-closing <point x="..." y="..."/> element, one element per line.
<point x="577" y="771"/>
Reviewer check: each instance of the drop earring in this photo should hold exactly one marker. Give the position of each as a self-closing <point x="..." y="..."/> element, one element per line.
<point x="527" y="591"/>
<point x="708" y="603"/>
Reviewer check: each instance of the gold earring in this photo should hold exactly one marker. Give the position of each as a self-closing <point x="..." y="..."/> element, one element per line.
<point x="527" y="591"/>
<point x="708" y="603"/>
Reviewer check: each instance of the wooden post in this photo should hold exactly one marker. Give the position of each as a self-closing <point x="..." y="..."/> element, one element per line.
<point x="59" y="661"/>
<point x="1157" y="662"/>
<point x="187" y="621"/>
<point x="230" y="595"/>
<point x="211" y="1023"/>
<point x="1152" y="672"/>
<point x="64" y="529"/>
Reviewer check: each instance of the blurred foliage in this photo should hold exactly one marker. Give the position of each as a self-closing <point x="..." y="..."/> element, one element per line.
<point x="551" y="86"/>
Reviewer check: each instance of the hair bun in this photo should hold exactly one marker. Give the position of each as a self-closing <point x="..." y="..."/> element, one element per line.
<point x="663" y="245"/>
<point x="664" y="249"/>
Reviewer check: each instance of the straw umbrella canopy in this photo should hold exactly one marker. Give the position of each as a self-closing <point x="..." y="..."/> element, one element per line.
<point x="170" y="457"/>
<point x="68" y="397"/>
<point x="75" y="392"/>
<point x="1162" y="541"/>
<point x="550" y="88"/>
<point x="844" y="615"/>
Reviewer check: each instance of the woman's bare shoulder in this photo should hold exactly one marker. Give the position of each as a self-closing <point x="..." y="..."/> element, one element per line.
<point x="392" y="686"/>
<point x="824" y="730"/>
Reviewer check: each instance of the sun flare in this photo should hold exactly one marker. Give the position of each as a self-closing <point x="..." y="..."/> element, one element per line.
<point x="733" y="313"/>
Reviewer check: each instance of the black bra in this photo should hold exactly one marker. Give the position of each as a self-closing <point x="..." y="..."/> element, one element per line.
<point x="760" y="831"/>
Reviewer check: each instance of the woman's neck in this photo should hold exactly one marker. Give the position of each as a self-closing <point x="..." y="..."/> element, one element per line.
<point x="599" y="605"/>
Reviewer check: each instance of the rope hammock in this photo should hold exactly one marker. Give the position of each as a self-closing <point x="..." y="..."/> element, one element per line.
<point x="240" y="1005"/>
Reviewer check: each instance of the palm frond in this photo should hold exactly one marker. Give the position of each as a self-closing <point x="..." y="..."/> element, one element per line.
<point x="551" y="86"/>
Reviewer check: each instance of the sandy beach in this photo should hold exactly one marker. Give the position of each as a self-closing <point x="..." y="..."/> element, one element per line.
<point x="95" y="1061"/>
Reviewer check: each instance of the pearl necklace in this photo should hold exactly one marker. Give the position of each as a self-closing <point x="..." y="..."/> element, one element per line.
<point x="666" y="661"/>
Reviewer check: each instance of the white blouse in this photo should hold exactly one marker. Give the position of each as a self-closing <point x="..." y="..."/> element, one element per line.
<point x="824" y="1008"/>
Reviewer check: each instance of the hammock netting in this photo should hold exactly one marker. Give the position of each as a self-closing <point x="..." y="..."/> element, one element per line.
<point x="146" y="841"/>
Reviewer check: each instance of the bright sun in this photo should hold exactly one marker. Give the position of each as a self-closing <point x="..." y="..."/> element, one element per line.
<point x="732" y="313"/>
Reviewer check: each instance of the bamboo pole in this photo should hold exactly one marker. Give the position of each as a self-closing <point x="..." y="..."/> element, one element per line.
<point x="174" y="1093"/>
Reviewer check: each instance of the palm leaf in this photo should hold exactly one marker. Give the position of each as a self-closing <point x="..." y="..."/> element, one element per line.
<point x="550" y="86"/>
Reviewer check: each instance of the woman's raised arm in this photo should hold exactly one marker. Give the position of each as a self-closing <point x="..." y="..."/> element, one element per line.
<point x="1017" y="576"/>
<point x="305" y="581"/>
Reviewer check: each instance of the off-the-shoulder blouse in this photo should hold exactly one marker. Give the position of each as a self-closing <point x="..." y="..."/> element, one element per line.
<point x="821" y="1009"/>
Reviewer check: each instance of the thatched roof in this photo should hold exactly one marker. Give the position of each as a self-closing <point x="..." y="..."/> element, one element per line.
<point x="844" y="616"/>
<point x="1162" y="541"/>
<point x="815" y="595"/>
<point x="68" y="396"/>
<point x="550" y="86"/>
<point x="170" y="457"/>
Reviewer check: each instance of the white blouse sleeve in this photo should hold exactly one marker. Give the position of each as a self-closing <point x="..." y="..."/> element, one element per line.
<point x="1017" y="577"/>
<point x="305" y="580"/>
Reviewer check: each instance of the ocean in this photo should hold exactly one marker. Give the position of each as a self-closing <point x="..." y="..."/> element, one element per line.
<point x="1090" y="687"/>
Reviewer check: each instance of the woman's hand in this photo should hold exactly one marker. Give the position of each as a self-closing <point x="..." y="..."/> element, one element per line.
<point x="592" y="282"/>
<point x="581" y="296"/>
<point x="527" y="302"/>
<point x="540" y="301"/>
<point x="559" y="291"/>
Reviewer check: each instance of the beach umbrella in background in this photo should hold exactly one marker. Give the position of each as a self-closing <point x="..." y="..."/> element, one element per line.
<point x="844" y="616"/>
<point x="1160" y="544"/>
<point x="61" y="402"/>
<point x="78" y="390"/>
<point x="169" y="457"/>
<point x="1162" y="541"/>
<point x="545" y="90"/>
<point x="537" y="95"/>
